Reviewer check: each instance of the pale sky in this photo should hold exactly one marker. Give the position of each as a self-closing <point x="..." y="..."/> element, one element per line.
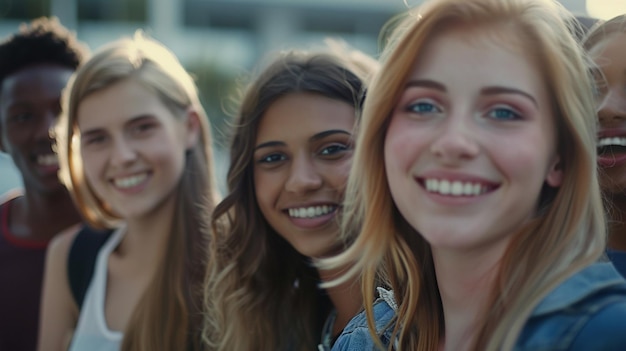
<point x="605" y="9"/>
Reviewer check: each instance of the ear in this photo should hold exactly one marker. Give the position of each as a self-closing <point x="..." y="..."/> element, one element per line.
<point x="193" y="128"/>
<point x="554" y="178"/>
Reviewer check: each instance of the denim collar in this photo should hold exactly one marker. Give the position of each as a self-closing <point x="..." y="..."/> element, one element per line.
<point x="586" y="282"/>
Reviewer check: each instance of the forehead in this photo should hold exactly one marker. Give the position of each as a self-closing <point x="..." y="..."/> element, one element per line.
<point x="117" y="103"/>
<point x="302" y="115"/>
<point x="479" y="57"/>
<point x="613" y="47"/>
<point x="35" y="82"/>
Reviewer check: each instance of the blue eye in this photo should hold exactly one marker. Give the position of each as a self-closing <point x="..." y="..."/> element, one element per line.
<point x="502" y="113"/>
<point x="423" y="108"/>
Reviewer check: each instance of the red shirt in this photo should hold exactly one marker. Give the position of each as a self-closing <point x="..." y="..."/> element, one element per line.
<point x="21" y="275"/>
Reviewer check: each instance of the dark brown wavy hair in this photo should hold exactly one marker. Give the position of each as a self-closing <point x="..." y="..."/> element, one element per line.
<point x="261" y="294"/>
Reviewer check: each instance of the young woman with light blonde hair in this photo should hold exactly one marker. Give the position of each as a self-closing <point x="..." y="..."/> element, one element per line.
<point x="135" y="152"/>
<point x="474" y="183"/>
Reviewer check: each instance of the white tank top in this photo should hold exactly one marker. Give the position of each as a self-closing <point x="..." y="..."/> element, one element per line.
<point x="92" y="333"/>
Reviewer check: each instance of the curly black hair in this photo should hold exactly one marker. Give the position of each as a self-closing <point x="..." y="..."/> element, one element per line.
<point x="44" y="41"/>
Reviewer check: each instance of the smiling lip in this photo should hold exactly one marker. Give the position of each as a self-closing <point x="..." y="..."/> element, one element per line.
<point x="46" y="163"/>
<point x="311" y="216"/>
<point x="608" y="161"/>
<point x="611" y="159"/>
<point x="131" y="183"/>
<point x="611" y="133"/>
<point x="455" y="189"/>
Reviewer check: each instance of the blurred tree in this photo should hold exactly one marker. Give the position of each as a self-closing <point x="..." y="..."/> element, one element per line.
<point x="24" y="9"/>
<point x="218" y="90"/>
<point x="112" y="10"/>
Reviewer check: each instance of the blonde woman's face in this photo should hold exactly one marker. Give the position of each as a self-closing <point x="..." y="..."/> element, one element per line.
<point x="470" y="143"/>
<point x="302" y="159"/>
<point x="610" y="56"/>
<point x="132" y="148"/>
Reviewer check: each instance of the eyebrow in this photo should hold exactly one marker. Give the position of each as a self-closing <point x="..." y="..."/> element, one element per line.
<point x="269" y="144"/>
<point x="506" y="90"/>
<point x="129" y="122"/>
<point x="426" y="83"/>
<point x="326" y="133"/>
<point x="318" y="136"/>
<point x="493" y="90"/>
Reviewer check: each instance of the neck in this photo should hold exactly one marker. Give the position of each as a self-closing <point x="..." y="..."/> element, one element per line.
<point x="617" y="222"/>
<point x="146" y="236"/>
<point x="40" y="217"/>
<point x="346" y="298"/>
<point x="464" y="277"/>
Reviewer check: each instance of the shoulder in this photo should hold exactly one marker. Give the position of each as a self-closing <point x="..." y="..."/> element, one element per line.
<point x="586" y="307"/>
<point x="61" y="243"/>
<point x="604" y="330"/>
<point x="356" y="335"/>
<point x="9" y="195"/>
<point x="619" y="260"/>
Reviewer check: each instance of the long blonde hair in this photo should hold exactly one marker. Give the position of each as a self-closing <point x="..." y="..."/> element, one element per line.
<point x="566" y="234"/>
<point x="261" y="294"/>
<point x="168" y="316"/>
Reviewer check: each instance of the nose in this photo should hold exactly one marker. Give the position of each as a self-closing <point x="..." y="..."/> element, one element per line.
<point x="122" y="152"/>
<point x="612" y="107"/>
<point x="454" y="143"/>
<point x="304" y="175"/>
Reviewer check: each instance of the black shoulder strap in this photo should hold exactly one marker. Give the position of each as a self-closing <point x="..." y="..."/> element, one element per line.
<point x="82" y="259"/>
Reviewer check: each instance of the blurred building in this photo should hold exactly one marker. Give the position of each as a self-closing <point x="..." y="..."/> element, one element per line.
<point x="230" y="32"/>
<point x="233" y="33"/>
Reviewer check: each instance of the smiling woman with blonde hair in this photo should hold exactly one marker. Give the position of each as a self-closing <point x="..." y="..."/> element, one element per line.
<point x="475" y="186"/>
<point x="135" y="152"/>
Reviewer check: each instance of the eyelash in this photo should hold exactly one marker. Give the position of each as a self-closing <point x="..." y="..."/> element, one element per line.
<point x="513" y="114"/>
<point x="270" y="159"/>
<point x="417" y="108"/>
<point x="412" y="107"/>
<point x="143" y="127"/>
<point x="328" y="151"/>
<point x="335" y="149"/>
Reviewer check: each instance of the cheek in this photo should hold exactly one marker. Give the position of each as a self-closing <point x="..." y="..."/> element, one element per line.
<point x="337" y="175"/>
<point x="94" y="173"/>
<point x="92" y="166"/>
<point x="171" y="155"/>
<point x="403" y="143"/>
<point x="528" y="157"/>
<point x="265" y="190"/>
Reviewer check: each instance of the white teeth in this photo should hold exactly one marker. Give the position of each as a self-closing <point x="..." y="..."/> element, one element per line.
<point x="47" y="160"/>
<point x="612" y="142"/>
<point x="310" y="212"/>
<point x="129" y="182"/>
<point x="454" y="188"/>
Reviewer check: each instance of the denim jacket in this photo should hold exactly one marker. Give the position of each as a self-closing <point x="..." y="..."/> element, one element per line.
<point x="618" y="258"/>
<point x="587" y="312"/>
<point x="356" y="336"/>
